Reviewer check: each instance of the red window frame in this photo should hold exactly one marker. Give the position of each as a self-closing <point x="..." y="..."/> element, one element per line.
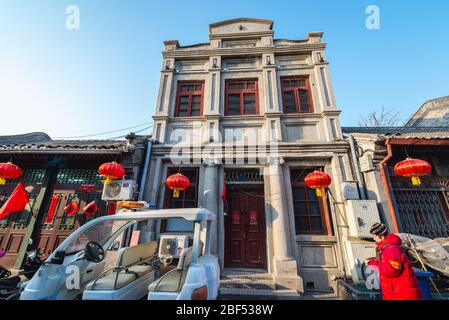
<point x="296" y="90"/>
<point x="245" y="90"/>
<point x="297" y="176"/>
<point x="190" y="95"/>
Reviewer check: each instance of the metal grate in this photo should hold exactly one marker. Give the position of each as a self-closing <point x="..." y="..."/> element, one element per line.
<point x="79" y="176"/>
<point x="422" y="212"/>
<point x="243" y="176"/>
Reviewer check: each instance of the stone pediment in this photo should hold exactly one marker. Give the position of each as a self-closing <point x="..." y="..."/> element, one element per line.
<point x="241" y="25"/>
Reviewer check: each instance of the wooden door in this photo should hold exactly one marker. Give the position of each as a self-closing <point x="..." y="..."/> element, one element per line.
<point x="245" y="244"/>
<point x="48" y="236"/>
<point x="14" y="226"/>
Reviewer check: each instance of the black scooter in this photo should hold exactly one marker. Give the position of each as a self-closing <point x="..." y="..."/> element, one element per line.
<point x="10" y="285"/>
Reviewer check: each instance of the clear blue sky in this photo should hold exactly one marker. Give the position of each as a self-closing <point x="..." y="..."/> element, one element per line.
<point x="105" y="76"/>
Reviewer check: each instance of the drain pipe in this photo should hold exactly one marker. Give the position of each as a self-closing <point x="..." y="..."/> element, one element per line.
<point x="146" y="232"/>
<point x="383" y="174"/>
<point x="355" y="161"/>
<point x="143" y="178"/>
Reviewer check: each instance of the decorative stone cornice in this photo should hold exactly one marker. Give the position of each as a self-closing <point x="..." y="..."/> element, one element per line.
<point x="300" y="48"/>
<point x="275" y="160"/>
<point x="211" y="162"/>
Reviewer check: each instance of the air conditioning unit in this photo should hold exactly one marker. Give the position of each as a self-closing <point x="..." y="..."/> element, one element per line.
<point x="118" y="190"/>
<point x="361" y="214"/>
<point x="172" y="245"/>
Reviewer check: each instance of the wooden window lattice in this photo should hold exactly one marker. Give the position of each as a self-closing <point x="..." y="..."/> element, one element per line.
<point x="79" y="177"/>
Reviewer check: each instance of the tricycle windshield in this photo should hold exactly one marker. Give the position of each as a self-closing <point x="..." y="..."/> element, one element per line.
<point x="100" y="233"/>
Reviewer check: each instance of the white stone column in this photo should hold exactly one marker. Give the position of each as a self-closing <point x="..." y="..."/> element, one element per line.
<point x="210" y="196"/>
<point x="284" y="264"/>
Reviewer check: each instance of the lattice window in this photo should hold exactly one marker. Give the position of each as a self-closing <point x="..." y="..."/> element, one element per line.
<point x="423" y="212"/>
<point x="79" y="176"/>
<point x="243" y="176"/>
<point x="31" y="176"/>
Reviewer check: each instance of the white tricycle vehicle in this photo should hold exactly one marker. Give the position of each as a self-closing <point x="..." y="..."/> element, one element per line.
<point x="97" y="262"/>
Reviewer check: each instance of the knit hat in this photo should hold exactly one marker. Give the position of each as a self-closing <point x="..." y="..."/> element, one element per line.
<point x="379" y="229"/>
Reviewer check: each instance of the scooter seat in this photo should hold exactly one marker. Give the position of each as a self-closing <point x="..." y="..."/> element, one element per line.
<point x="10" y="282"/>
<point x="107" y="282"/>
<point x="140" y="270"/>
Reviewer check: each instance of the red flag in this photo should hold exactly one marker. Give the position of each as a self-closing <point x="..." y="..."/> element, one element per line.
<point x="16" y="201"/>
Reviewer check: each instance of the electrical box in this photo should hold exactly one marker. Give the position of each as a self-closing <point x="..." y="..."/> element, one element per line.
<point x="350" y="190"/>
<point x="361" y="215"/>
<point x="118" y="190"/>
<point x="366" y="163"/>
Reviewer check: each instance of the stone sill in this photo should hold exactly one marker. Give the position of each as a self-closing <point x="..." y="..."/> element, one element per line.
<point x="316" y="238"/>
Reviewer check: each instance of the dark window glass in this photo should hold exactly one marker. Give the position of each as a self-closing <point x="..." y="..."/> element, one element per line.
<point x="304" y="101"/>
<point x="249" y="103"/>
<point x="296" y="95"/>
<point x="183" y="110"/>
<point x="196" y="105"/>
<point x="189" y="99"/>
<point x="308" y="208"/>
<point x="241" y="97"/>
<point x="233" y="104"/>
<point x="289" y="101"/>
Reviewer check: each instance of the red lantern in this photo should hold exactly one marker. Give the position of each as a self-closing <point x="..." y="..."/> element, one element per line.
<point x="111" y="171"/>
<point x="177" y="182"/>
<point x="318" y="180"/>
<point x="413" y="168"/>
<point x="8" y="170"/>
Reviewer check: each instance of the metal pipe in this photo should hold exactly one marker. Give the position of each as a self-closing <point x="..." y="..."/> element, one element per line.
<point x="387" y="185"/>
<point x="355" y="161"/>
<point x="143" y="178"/>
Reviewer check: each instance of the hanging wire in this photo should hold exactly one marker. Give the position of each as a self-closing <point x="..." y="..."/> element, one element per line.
<point x="122" y="136"/>
<point x="106" y="132"/>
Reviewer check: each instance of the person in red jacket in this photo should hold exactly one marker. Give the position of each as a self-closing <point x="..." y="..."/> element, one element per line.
<point x="397" y="277"/>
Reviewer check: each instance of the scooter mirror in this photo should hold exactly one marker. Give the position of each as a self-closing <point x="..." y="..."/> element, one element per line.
<point x="30" y="242"/>
<point x="2" y="253"/>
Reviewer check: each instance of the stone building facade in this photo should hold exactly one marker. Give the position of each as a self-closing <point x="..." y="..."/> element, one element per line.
<point x="259" y="113"/>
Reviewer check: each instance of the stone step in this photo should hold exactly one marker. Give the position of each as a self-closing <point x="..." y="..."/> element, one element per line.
<point x="257" y="294"/>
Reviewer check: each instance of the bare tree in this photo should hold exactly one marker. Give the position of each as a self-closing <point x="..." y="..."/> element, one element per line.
<point x="381" y="118"/>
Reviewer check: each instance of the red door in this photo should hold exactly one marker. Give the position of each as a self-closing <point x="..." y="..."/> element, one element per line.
<point x="245" y="228"/>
